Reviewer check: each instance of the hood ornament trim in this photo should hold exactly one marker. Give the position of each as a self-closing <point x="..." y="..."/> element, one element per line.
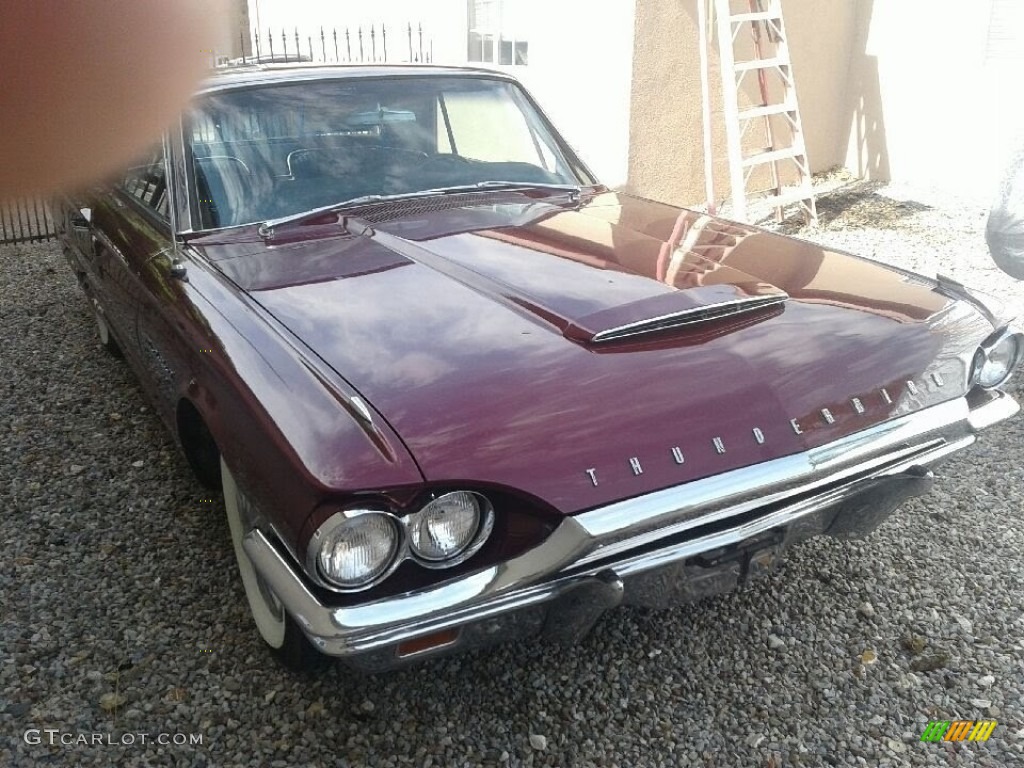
<point x="700" y="314"/>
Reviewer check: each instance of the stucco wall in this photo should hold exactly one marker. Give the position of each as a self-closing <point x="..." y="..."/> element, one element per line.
<point x="666" y="135"/>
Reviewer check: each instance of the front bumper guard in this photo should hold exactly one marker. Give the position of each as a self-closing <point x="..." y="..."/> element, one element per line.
<point x="661" y="549"/>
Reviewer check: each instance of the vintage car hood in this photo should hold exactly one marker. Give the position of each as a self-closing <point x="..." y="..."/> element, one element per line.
<point x="471" y="324"/>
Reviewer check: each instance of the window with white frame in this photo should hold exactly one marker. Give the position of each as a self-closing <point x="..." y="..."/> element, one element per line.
<point x="497" y="32"/>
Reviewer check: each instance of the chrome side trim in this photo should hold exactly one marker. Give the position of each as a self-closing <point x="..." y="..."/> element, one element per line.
<point x="689" y="316"/>
<point x="618" y="538"/>
<point x="171" y="192"/>
<point x="178" y="178"/>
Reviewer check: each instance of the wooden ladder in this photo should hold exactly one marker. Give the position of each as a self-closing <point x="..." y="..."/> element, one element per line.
<point x="766" y="54"/>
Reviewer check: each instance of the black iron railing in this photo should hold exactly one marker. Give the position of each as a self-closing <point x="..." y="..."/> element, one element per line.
<point x="362" y="45"/>
<point x="25" y="221"/>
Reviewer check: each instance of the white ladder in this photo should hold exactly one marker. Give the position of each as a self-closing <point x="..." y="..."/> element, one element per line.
<point x="774" y="105"/>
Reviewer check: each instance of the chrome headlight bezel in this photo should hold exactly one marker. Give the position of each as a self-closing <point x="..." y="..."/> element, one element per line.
<point x="481" y="531"/>
<point x="347" y="518"/>
<point x="1005" y="340"/>
<point x="403" y="549"/>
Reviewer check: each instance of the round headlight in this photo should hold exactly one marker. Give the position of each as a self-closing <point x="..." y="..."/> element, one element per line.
<point x="450" y="528"/>
<point x="358" y="550"/>
<point x="993" y="365"/>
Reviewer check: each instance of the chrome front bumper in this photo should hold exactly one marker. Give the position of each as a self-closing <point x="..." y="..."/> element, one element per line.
<point x="662" y="549"/>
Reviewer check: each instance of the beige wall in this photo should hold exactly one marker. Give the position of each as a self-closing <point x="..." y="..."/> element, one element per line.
<point x="666" y="155"/>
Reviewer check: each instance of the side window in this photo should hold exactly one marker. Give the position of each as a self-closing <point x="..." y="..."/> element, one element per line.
<point x="147" y="182"/>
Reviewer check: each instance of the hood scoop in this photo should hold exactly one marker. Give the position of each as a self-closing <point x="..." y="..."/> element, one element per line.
<point x="674" y="310"/>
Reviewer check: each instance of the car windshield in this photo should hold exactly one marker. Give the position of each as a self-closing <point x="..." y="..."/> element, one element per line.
<point x="276" y="150"/>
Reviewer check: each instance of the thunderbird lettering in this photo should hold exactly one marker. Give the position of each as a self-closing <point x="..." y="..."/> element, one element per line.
<point x="758" y="435"/>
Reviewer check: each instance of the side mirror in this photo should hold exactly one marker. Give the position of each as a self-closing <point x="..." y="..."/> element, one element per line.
<point x="1005" y="229"/>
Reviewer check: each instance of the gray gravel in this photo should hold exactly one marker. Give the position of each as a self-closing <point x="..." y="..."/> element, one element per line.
<point x="122" y="613"/>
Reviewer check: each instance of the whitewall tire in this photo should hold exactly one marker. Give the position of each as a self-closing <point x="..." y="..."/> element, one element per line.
<point x="103" y="328"/>
<point x="276" y="628"/>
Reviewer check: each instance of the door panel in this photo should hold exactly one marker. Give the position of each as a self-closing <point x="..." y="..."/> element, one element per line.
<point x="134" y="237"/>
<point x="128" y="238"/>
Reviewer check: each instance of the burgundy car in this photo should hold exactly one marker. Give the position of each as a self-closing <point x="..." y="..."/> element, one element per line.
<point x="457" y="392"/>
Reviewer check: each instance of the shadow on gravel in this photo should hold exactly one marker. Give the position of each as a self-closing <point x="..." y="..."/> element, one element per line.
<point x="856" y="205"/>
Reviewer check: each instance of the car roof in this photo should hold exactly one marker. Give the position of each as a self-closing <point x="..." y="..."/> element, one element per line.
<point x="245" y="75"/>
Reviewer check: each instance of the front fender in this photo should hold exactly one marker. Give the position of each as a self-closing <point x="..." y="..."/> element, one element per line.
<point x="294" y="432"/>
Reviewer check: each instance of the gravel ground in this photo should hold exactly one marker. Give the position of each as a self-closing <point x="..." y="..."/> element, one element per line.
<point x="122" y="612"/>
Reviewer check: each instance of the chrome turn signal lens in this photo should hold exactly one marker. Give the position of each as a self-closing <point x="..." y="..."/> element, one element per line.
<point x="996" y="359"/>
<point x="450" y="529"/>
<point x="356" y="548"/>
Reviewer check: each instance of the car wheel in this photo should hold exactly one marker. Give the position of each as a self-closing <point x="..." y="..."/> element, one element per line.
<point x="103" y="329"/>
<point x="278" y="630"/>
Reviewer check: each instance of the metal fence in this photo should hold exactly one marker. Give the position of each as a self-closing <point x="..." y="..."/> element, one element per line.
<point x="362" y="45"/>
<point x="25" y="221"/>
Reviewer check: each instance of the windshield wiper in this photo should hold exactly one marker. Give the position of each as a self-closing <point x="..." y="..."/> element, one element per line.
<point x="266" y="229"/>
<point x="572" y="189"/>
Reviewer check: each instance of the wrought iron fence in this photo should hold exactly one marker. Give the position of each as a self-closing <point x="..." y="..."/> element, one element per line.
<point x="25" y="221"/>
<point x="349" y="46"/>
